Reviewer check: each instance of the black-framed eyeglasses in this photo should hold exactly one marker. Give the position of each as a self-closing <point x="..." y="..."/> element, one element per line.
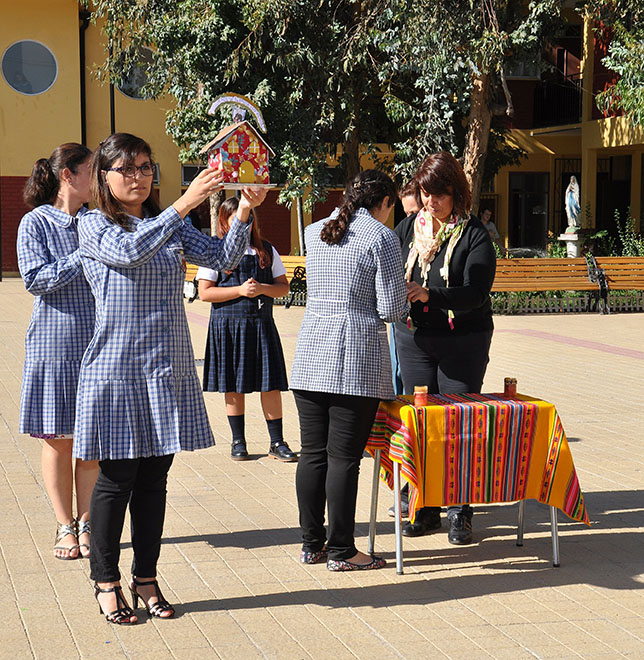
<point x="129" y="171"/>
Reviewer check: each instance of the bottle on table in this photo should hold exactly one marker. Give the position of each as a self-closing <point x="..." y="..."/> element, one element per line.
<point x="510" y="388"/>
<point x="421" y="397"/>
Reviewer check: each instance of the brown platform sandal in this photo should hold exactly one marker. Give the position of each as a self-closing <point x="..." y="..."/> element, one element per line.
<point x="124" y="614"/>
<point x="61" y="532"/>
<point x="157" y="609"/>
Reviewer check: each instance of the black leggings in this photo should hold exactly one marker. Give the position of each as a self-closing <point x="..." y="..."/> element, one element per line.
<point x="142" y="483"/>
<point x="334" y="431"/>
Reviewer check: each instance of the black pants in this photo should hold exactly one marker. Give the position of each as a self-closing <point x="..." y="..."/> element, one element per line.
<point x="142" y="483"/>
<point x="449" y="364"/>
<point x="334" y="431"/>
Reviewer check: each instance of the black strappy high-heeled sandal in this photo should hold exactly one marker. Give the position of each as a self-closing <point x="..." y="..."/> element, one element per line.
<point x="157" y="609"/>
<point x="123" y="614"/>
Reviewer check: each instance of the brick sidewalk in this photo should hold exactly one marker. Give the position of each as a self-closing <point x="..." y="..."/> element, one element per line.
<point x="230" y="554"/>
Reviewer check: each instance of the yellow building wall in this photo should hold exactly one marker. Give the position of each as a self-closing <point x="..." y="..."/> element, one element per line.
<point x="32" y="126"/>
<point x="143" y="118"/>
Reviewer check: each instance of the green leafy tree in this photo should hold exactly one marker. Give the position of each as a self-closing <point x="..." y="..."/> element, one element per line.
<point x="420" y="75"/>
<point x="620" y="24"/>
<point x="312" y="70"/>
<point x="445" y="76"/>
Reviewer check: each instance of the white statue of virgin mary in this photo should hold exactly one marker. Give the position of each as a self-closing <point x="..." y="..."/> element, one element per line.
<point x="573" y="208"/>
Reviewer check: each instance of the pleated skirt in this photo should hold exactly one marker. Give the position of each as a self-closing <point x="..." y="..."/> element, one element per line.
<point x="48" y="396"/>
<point x="139" y="418"/>
<point x="243" y="355"/>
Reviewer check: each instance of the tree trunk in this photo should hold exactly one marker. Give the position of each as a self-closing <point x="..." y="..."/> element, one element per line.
<point x="478" y="134"/>
<point x="215" y="202"/>
<point x="300" y="226"/>
<point x="352" y="152"/>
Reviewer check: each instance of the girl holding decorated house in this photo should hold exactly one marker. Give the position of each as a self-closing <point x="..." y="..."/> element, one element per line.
<point x="139" y="398"/>
<point x="243" y="349"/>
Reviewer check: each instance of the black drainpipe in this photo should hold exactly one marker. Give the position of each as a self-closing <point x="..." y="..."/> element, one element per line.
<point x="83" y="17"/>
<point x="112" y="118"/>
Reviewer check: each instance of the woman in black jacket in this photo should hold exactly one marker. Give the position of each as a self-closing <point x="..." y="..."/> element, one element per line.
<point x="449" y="267"/>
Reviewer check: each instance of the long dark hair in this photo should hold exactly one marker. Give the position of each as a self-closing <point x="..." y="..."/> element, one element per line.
<point x="226" y="212"/>
<point x="442" y="174"/>
<point x="118" y="146"/>
<point x="367" y="190"/>
<point x="44" y="182"/>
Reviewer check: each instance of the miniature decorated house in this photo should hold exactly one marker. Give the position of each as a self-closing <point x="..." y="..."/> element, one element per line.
<point x="242" y="153"/>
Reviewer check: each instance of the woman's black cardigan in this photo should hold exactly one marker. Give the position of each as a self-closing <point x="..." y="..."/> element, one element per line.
<point x="471" y="274"/>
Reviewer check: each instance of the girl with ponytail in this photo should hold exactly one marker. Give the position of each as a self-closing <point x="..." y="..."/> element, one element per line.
<point x="60" y="329"/>
<point x="342" y="367"/>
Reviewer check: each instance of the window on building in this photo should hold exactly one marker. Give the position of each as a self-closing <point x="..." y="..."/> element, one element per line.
<point x="189" y="172"/>
<point x="613" y="191"/>
<point x="528" y="217"/>
<point x="29" y="67"/>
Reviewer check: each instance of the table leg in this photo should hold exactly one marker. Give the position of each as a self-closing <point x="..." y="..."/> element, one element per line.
<point x="555" y="536"/>
<point x="374" y="501"/>
<point x="397" y="520"/>
<point x="520" y="522"/>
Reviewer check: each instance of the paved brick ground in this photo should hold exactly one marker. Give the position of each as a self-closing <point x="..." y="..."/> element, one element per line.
<point x="230" y="555"/>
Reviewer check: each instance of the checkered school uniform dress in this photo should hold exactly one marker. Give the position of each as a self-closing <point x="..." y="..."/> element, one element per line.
<point x="61" y="323"/>
<point x="352" y="289"/>
<point x="138" y="392"/>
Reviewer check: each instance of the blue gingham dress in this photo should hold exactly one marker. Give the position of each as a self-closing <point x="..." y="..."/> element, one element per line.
<point x="61" y="323"/>
<point x="138" y="392"/>
<point x="352" y="289"/>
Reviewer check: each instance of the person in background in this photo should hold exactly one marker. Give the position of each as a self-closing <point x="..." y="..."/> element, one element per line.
<point x="410" y="197"/>
<point x="449" y="270"/>
<point x="139" y="398"/>
<point x="486" y="219"/>
<point x="243" y="350"/>
<point x="21" y="84"/>
<point x="341" y="368"/>
<point x="61" y="326"/>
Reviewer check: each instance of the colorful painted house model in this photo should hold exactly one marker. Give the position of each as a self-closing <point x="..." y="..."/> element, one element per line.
<point x="242" y="153"/>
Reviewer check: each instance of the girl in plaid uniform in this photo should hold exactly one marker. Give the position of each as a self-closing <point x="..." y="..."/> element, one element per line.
<point x="342" y="367"/>
<point x="139" y="399"/>
<point x="60" y="329"/>
<point x="243" y="350"/>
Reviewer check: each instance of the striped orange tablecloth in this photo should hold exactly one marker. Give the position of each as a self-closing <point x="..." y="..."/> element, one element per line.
<point x="478" y="448"/>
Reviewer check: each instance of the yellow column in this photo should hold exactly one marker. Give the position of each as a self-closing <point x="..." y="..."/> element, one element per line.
<point x="588" y="191"/>
<point x="587" y="72"/>
<point x="501" y="187"/>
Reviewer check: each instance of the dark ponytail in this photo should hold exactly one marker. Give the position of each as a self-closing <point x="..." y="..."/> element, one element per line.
<point x="44" y="182"/>
<point x="367" y="190"/>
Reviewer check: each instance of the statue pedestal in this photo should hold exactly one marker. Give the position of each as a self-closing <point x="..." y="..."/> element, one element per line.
<point x="574" y="243"/>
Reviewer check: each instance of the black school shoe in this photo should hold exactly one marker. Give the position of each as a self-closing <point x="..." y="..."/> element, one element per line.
<point x="460" y="529"/>
<point x="238" y="451"/>
<point x="425" y="523"/>
<point x="282" y="452"/>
